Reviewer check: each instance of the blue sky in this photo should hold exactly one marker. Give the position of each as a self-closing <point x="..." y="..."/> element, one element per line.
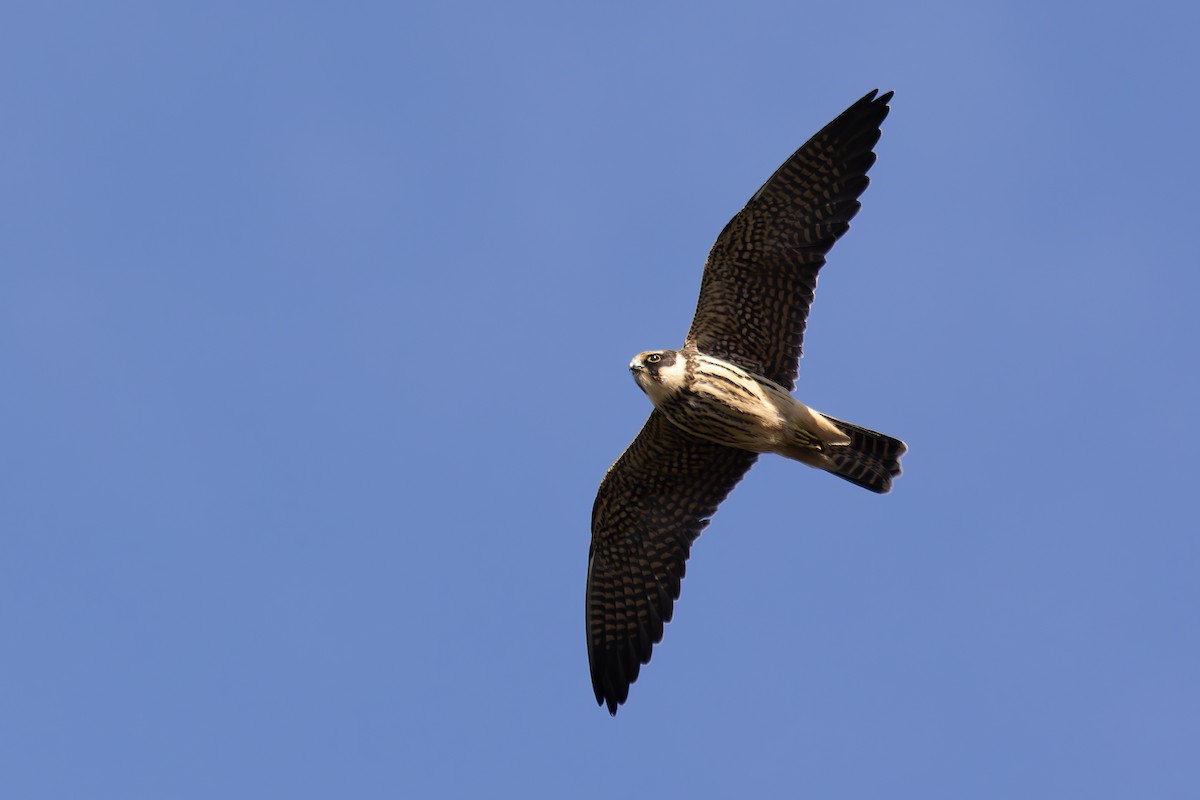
<point x="313" y="327"/>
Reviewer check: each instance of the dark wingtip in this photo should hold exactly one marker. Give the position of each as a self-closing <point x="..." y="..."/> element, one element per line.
<point x="607" y="695"/>
<point x="611" y="680"/>
<point x="882" y="99"/>
<point x="871" y="103"/>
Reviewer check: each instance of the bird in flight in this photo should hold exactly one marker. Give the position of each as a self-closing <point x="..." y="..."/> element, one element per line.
<point x="725" y="397"/>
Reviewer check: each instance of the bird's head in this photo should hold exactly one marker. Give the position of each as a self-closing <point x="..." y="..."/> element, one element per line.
<point x="659" y="373"/>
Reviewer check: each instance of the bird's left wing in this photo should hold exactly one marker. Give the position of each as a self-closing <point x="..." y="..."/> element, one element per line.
<point x="761" y="274"/>
<point x="651" y="506"/>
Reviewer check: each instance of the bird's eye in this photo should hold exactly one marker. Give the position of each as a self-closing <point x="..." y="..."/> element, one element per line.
<point x="653" y="358"/>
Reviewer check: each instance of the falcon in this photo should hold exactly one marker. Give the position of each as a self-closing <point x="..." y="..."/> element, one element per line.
<point x="725" y="397"/>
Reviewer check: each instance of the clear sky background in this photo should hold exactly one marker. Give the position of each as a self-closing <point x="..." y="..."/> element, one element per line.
<point x="314" y="324"/>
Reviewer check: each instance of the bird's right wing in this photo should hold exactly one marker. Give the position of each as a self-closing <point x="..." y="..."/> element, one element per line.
<point x="651" y="506"/>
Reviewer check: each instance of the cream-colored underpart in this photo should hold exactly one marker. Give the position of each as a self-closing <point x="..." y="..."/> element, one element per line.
<point x="804" y="418"/>
<point x="777" y="422"/>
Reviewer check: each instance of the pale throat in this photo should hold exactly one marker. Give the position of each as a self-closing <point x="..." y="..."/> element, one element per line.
<point x="672" y="380"/>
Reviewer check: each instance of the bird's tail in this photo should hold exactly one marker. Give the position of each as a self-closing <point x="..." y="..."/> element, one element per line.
<point x="871" y="459"/>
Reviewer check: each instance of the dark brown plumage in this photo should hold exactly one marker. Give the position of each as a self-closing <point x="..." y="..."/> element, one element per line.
<point x="762" y="271"/>
<point x="755" y="295"/>
<point x="651" y="506"/>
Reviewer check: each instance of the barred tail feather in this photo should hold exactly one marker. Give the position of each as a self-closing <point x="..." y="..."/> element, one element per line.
<point x="871" y="459"/>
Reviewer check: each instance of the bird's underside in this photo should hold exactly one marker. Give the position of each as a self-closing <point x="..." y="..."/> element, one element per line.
<point x="724" y="398"/>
